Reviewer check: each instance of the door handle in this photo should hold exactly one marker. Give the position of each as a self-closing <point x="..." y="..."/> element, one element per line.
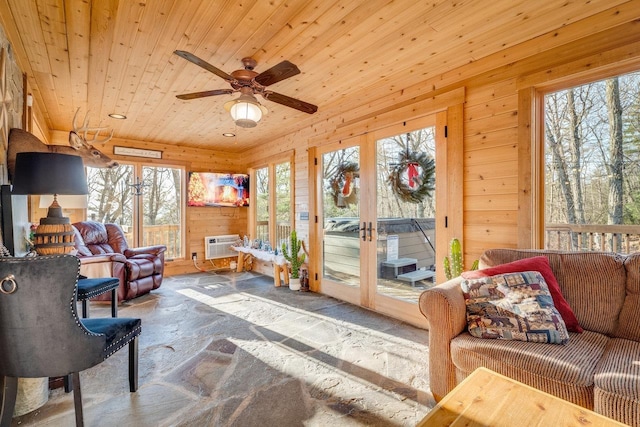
<point x="364" y="231"/>
<point x="370" y="231"/>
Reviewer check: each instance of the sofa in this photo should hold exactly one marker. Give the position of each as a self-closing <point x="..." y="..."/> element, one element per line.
<point x="598" y="369"/>
<point x="103" y="251"/>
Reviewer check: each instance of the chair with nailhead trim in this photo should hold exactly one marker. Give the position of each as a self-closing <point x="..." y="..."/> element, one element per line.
<point x="41" y="334"/>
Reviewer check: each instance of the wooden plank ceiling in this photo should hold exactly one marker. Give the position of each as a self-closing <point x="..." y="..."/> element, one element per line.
<point x="116" y="56"/>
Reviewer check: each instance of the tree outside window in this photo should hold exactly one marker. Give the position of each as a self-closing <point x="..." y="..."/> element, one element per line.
<point x="592" y="166"/>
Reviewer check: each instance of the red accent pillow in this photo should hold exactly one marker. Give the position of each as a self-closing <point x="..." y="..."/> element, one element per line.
<point x="540" y="264"/>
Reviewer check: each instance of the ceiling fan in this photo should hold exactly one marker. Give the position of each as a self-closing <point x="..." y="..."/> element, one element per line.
<point x="249" y="82"/>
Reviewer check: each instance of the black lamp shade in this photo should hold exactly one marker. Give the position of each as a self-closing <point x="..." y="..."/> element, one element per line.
<point x="49" y="173"/>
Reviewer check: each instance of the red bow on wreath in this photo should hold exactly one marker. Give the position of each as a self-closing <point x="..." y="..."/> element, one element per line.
<point x="412" y="174"/>
<point x="346" y="190"/>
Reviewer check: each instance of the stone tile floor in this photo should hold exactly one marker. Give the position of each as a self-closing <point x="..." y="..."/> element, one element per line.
<point x="230" y="349"/>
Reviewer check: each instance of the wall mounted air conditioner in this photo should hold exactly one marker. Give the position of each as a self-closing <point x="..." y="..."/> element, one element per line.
<point x="219" y="246"/>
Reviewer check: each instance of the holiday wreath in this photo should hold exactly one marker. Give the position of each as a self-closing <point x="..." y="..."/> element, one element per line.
<point x="341" y="181"/>
<point x="417" y="185"/>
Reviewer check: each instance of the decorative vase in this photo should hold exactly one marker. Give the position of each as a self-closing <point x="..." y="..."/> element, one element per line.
<point x="294" y="284"/>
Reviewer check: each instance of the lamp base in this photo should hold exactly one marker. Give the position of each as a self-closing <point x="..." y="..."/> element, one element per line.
<point x="54" y="235"/>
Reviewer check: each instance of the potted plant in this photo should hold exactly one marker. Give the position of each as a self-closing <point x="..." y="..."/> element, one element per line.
<point x="295" y="258"/>
<point x="453" y="265"/>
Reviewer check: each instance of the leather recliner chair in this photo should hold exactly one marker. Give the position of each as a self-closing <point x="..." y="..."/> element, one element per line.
<point x="140" y="270"/>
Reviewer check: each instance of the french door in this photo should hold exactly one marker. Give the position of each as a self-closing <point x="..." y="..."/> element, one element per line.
<point x="377" y="215"/>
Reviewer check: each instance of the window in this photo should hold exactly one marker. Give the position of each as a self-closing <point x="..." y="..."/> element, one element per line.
<point x="273" y="207"/>
<point x="592" y="166"/>
<point x="145" y="200"/>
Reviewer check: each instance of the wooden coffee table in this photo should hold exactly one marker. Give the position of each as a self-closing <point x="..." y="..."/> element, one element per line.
<point x="486" y="398"/>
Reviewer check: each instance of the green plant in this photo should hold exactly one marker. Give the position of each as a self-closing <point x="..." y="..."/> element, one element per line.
<point x="293" y="255"/>
<point x="453" y="263"/>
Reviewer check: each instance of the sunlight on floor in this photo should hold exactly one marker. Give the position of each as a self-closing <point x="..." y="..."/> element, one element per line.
<point x="300" y="344"/>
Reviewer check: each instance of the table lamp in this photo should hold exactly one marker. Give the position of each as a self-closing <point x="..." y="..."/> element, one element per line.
<point x="51" y="174"/>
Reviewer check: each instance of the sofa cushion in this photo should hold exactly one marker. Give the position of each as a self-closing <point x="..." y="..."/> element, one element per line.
<point x="619" y="369"/>
<point x="94" y="236"/>
<point x="513" y="306"/>
<point x="616" y="380"/>
<point x="566" y="371"/>
<point x="628" y="324"/>
<point x="581" y="276"/>
<point x="540" y="264"/>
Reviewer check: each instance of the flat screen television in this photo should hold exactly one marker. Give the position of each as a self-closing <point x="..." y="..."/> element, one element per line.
<point x="218" y="189"/>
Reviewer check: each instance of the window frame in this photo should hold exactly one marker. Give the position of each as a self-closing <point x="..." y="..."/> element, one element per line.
<point x="137" y="218"/>
<point x="531" y="141"/>
<point x="270" y="164"/>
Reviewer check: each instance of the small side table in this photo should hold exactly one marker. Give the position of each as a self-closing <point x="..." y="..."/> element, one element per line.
<point x="92" y="287"/>
<point x="279" y="262"/>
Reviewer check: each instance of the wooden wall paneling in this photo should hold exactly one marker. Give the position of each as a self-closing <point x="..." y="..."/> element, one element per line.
<point x="529" y="156"/>
<point x="482" y="140"/>
<point x="491" y="164"/>
<point x="496" y="234"/>
<point x="490" y="108"/>
<point x="488" y="124"/>
<point x="454" y="177"/>
<point x="479" y="93"/>
<point x="485" y="218"/>
<point x="508" y="152"/>
<point x="491" y="202"/>
<point x="619" y="60"/>
<point x="314" y="175"/>
<point x="501" y="185"/>
<point x="481" y="172"/>
<point x="444" y="187"/>
<point x="371" y="121"/>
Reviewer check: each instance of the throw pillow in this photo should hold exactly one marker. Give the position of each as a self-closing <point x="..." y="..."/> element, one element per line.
<point x="513" y="306"/>
<point x="541" y="264"/>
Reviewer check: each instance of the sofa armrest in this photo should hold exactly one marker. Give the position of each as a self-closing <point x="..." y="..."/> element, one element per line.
<point x="145" y="250"/>
<point x="93" y="259"/>
<point x="445" y="309"/>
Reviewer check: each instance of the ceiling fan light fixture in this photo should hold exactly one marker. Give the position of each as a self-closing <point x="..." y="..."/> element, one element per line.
<point x="245" y="110"/>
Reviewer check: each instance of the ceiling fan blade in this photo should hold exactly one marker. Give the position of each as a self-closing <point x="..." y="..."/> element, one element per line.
<point x="277" y="73"/>
<point x="195" y="95"/>
<point x="290" y="102"/>
<point x="204" y="64"/>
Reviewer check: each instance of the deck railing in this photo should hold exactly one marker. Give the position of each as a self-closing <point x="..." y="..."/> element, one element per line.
<point x="593" y="237"/>
<point x="166" y="234"/>
<point x="283" y="230"/>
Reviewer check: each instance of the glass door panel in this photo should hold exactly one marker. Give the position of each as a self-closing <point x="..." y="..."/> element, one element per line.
<point x="341" y="216"/>
<point x="146" y="201"/>
<point x="110" y="196"/>
<point x="262" y="204"/>
<point x="161" y="213"/>
<point x="283" y="203"/>
<point x="406" y="213"/>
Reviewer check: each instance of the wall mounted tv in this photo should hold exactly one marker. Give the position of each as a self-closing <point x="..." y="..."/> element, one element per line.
<point x="218" y="189"/>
